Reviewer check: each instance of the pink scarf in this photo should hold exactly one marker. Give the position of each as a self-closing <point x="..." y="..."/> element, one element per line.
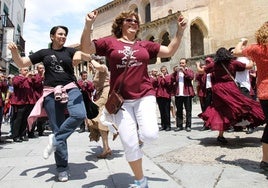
<point x="38" y="110"/>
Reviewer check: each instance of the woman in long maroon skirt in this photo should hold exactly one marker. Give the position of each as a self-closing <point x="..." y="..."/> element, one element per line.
<point x="229" y="105"/>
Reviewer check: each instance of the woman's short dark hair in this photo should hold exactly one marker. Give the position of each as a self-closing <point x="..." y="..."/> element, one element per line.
<point x="118" y="23"/>
<point x="223" y="56"/>
<point x="54" y="29"/>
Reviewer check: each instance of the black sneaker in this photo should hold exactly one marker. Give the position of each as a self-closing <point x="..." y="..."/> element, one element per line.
<point x="204" y="128"/>
<point x="222" y="140"/>
<point x="188" y="129"/>
<point x="178" y="129"/>
<point x="168" y="129"/>
<point x="264" y="165"/>
<point x="82" y="130"/>
<point x="17" y="140"/>
<point x="250" y="130"/>
<point x="41" y="134"/>
<point x="231" y="129"/>
<point x="24" y="138"/>
<point x="32" y="136"/>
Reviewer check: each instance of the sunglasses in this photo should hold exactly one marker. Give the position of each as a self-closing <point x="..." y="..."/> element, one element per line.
<point x="129" y="20"/>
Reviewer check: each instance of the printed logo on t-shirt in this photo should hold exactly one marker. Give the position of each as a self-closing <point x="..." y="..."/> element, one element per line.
<point x="128" y="56"/>
<point x="55" y="65"/>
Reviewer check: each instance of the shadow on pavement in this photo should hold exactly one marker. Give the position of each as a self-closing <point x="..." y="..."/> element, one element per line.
<point x="94" y="151"/>
<point x="118" y="179"/>
<point x="77" y="171"/>
<point x="246" y="164"/>
<point x="233" y="143"/>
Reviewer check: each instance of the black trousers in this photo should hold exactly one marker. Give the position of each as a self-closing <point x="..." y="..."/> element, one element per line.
<point x="186" y="102"/>
<point x="245" y="92"/>
<point x="206" y="101"/>
<point x="19" y="119"/>
<point x="164" y="108"/>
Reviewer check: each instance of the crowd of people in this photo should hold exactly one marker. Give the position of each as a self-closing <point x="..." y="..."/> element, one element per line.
<point x="51" y="93"/>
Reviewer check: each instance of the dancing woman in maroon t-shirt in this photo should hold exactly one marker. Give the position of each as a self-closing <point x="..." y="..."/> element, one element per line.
<point x="139" y="95"/>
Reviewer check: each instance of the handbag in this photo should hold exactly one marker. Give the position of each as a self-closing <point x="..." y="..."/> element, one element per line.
<point x="92" y="108"/>
<point x="115" y="100"/>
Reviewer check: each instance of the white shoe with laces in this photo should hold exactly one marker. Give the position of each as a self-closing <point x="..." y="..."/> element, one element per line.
<point x="63" y="176"/>
<point x="140" y="184"/>
<point x="50" y="147"/>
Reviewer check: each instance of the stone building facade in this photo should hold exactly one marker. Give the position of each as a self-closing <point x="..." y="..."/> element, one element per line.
<point x="11" y="29"/>
<point x="211" y="23"/>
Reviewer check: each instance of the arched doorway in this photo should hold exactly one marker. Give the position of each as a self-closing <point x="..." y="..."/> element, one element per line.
<point x="197" y="41"/>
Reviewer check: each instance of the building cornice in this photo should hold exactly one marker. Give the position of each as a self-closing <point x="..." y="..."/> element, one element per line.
<point x="160" y="21"/>
<point x="111" y="5"/>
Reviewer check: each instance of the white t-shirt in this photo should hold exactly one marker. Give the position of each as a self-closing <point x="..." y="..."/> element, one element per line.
<point x="181" y="83"/>
<point x="208" y="81"/>
<point x="242" y="77"/>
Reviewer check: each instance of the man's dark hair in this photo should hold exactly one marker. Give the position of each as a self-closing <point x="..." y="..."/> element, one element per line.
<point x="83" y="72"/>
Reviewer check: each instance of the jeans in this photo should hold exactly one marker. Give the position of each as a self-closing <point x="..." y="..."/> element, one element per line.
<point x="61" y="126"/>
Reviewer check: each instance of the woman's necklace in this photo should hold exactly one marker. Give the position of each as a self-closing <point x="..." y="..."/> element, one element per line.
<point x="127" y="40"/>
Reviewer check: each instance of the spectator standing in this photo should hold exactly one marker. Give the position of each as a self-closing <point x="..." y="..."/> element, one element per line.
<point x="38" y="81"/>
<point x="88" y="87"/>
<point x="101" y="81"/>
<point x="243" y="78"/>
<point x="22" y="104"/>
<point x="8" y="107"/>
<point x="172" y="104"/>
<point x="3" y="91"/>
<point x="163" y="98"/>
<point x="153" y="78"/>
<point x="204" y="91"/>
<point x="182" y="81"/>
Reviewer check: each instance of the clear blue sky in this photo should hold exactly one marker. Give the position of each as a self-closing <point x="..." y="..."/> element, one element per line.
<point x="42" y="15"/>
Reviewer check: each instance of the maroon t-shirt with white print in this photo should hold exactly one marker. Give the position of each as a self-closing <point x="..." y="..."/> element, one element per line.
<point x="137" y="82"/>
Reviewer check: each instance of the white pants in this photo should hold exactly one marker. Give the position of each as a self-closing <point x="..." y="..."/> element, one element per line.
<point x="138" y="121"/>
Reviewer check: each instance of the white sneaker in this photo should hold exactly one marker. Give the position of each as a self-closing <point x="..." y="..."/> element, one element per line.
<point x="63" y="176"/>
<point x="140" y="184"/>
<point x="50" y="147"/>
